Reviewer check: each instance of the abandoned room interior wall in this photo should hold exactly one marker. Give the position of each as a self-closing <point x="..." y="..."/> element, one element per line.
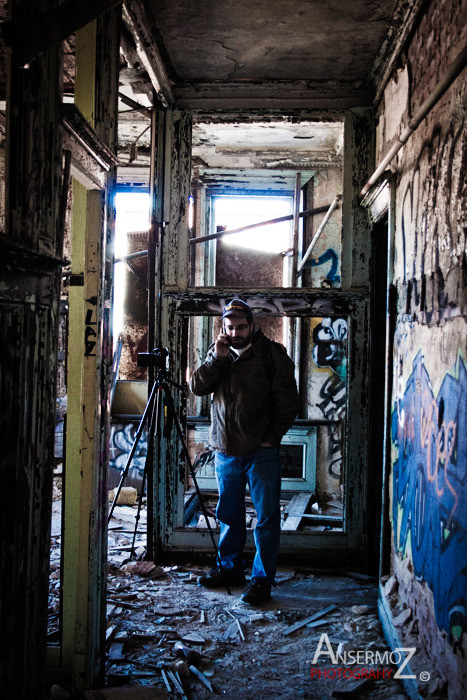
<point x="428" y="484"/>
<point x="30" y="260"/>
<point x="320" y="190"/>
<point x="135" y="320"/>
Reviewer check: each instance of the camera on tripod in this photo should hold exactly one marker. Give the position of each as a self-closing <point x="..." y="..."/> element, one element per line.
<point x="158" y="358"/>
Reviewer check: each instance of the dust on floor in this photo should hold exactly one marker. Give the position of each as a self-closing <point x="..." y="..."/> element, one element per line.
<point x="244" y="653"/>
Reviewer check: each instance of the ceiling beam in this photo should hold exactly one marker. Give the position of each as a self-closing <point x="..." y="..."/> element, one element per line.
<point x="140" y="23"/>
<point x="278" y="95"/>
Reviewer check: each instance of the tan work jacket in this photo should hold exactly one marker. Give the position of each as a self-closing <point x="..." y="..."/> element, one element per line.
<point x="255" y="395"/>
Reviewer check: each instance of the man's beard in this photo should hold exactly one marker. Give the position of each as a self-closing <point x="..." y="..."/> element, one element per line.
<point x="239" y="344"/>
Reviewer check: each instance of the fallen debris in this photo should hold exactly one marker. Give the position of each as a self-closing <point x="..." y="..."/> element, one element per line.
<point x="201" y="677"/>
<point x="352" y="690"/>
<point x="312" y="618"/>
<point x="402" y="618"/>
<point x="361" y="609"/>
<point x="148" y="569"/>
<point x="129" y="692"/>
<point x="181" y="667"/>
<point x="193" y="637"/>
<point x="283" y="576"/>
<point x="391" y="586"/>
<point x="126" y="497"/>
<point x="295" y="510"/>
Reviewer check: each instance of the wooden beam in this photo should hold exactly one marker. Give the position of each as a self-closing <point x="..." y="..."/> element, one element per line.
<point x="140" y="23"/>
<point x="89" y="364"/>
<point x="295" y="510"/>
<point x="135" y="105"/>
<point x="30" y="37"/>
<point x="81" y="433"/>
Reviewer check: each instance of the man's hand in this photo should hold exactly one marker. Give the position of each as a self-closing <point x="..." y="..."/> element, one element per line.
<point x="222" y="345"/>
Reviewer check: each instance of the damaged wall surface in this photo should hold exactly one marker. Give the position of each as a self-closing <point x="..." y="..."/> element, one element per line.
<point x="429" y="403"/>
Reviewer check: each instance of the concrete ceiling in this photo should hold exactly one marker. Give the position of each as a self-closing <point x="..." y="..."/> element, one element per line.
<point x="275" y="144"/>
<point x="313" y="53"/>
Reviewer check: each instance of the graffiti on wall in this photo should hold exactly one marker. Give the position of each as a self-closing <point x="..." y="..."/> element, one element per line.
<point x="122" y="436"/>
<point x="430" y="487"/>
<point x="329" y="255"/>
<point x="330" y="351"/>
<point x="430" y="201"/>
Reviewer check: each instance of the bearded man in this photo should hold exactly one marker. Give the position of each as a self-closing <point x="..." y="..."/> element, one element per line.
<point x="255" y="401"/>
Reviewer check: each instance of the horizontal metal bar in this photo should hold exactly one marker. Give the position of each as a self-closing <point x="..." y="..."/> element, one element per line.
<point x="132" y="256"/>
<point x="280" y="219"/>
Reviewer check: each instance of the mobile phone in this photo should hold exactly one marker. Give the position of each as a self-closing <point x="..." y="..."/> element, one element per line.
<point x="224" y="332"/>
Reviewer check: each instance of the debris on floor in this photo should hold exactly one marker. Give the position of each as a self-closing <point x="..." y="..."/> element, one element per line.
<point x="168" y="636"/>
<point x="300" y="511"/>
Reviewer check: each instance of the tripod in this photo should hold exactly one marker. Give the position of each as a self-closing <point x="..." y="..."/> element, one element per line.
<point x="160" y="391"/>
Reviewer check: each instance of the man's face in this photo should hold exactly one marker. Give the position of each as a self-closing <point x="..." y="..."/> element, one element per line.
<point x="239" y="331"/>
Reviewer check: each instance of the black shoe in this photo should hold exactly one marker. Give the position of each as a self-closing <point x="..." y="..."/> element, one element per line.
<point x="217" y="577"/>
<point x="257" y="592"/>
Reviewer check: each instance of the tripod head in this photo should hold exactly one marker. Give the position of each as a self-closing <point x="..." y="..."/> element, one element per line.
<point x="158" y="358"/>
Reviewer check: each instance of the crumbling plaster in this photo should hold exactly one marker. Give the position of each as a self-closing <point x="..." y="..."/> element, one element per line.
<point x="429" y="459"/>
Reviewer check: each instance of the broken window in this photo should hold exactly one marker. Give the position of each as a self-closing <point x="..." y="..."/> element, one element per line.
<point x="312" y="450"/>
<point x="262" y="192"/>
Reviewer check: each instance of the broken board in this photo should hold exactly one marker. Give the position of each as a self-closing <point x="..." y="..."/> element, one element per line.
<point x="296" y="510"/>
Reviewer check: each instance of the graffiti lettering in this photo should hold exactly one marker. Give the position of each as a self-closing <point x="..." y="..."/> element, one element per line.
<point x="89" y="334"/>
<point x="329" y="350"/>
<point x="328" y="255"/>
<point x="429" y="483"/>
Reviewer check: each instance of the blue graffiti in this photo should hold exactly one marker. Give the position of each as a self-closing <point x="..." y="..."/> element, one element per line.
<point x="122" y="437"/>
<point x="430" y="488"/>
<point x="332" y="275"/>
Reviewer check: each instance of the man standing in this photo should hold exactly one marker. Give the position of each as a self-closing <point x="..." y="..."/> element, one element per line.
<point x="255" y="402"/>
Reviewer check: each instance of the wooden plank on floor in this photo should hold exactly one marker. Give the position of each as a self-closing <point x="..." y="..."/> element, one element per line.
<point x="296" y="509"/>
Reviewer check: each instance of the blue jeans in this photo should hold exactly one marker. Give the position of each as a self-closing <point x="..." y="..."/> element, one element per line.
<point x="261" y="469"/>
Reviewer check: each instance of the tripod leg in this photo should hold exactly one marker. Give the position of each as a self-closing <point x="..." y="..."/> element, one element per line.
<point x="171" y="407"/>
<point x="155" y="414"/>
<point x="133" y="450"/>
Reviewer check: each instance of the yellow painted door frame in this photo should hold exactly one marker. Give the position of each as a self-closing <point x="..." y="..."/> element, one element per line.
<point x="81" y="500"/>
<point x="84" y="524"/>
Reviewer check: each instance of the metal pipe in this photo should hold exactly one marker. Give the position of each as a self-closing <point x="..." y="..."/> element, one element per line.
<point x="332" y="207"/>
<point x="132" y="256"/>
<point x="451" y="74"/>
<point x="289" y="217"/>
<point x="296" y="220"/>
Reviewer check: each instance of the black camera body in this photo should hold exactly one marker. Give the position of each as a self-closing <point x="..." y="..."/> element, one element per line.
<point x="158" y="358"/>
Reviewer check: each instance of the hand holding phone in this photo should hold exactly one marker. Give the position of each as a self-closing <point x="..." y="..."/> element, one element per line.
<point x="222" y="345"/>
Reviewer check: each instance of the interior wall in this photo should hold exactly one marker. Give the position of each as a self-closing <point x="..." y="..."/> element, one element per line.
<point x="428" y="487"/>
<point x="30" y="249"/>
<point x="323" y="267"/>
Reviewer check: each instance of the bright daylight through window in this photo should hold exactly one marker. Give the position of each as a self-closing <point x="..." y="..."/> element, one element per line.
<point x="132" y="214"/>
<point x="232" y="212"/>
